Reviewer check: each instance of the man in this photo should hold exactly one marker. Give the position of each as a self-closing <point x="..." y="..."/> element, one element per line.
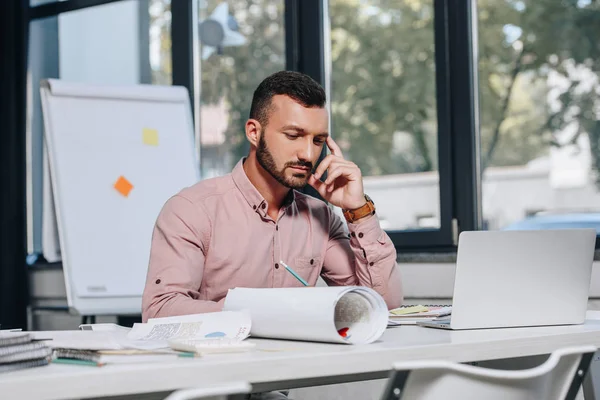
<point x="232" y="231"/>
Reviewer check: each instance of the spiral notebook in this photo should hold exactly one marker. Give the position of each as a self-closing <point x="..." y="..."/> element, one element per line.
<point x="14" y="338"/>
<point x="24" y="352"/>
<point x="24" y="364"/>
<point x="100" y="358"/>
<point x="19" y="351"/>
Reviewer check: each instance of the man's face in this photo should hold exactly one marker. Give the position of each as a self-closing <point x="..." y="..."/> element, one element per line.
<point x="291" y="143"/>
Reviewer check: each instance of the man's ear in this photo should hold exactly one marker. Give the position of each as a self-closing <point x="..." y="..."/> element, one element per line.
<point x="253" y="131"/>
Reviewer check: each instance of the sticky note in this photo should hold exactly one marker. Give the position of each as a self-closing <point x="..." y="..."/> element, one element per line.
<point x="150" y="136"/>
<point x="123" y="186"/>
<point x="409" y="310"/>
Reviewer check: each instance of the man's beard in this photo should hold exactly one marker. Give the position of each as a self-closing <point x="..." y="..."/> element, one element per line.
<point x="265" y="159"/>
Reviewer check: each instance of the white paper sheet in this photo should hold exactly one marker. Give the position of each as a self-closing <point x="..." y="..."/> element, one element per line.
<point x="154" y="334"/>
<point x="313" y="313"/>
<point x="226" y="324"/>
<point x="83" y="340"/>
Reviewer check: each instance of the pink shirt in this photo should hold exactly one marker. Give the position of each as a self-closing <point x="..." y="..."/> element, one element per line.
<point x="216" y="235"/>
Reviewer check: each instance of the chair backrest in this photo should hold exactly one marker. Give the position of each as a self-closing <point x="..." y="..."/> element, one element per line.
<point x="560" y="375"/>
<point x="230" y="391"/>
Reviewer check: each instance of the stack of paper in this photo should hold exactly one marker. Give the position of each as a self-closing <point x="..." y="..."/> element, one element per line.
<point x="412" y="314"/>
<point x="345" y="314"/>
<point x="101" y="344"/>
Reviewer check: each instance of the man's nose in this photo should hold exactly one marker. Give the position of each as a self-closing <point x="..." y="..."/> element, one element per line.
<point x="307" y="151"/>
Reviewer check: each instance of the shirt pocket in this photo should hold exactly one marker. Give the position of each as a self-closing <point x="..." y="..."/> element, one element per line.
<point x="308" y="267"/>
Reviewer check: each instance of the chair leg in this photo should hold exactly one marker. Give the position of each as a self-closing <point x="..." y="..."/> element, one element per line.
<point x="591" y="382"/>
<point x="580" y="375"/>
<point x="395" y="385"/>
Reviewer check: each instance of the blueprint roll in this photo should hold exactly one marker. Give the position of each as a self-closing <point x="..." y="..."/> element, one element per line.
<point x="343" y="314"/>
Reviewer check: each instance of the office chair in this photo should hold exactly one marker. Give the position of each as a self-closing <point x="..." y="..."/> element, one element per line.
<point x="231" y="391"/>
<point x="559" y="377"/>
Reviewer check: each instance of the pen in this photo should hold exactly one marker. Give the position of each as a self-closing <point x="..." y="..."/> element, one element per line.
<point x="291" y="271"/>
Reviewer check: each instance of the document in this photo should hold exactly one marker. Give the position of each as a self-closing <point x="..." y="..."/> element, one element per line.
<point x="154" y="334"/>
<point x="225" y="324"/>
<point x="343" y="314"/>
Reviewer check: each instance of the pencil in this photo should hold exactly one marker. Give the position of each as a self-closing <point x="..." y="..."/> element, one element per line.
<point x="291" y="271"/>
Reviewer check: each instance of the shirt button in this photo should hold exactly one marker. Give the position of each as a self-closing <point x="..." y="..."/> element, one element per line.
<point x="157" y="281"/>
<point x="254" y="206"/>
<point x="353" y="234"/>
<point x="360" y="235"/>
<point x="276" y="227"/>
<point x="263" y="205"/>
<point x="276" y="266"/>
<point x="312" y="261"/>
<point x="371" y="263"/>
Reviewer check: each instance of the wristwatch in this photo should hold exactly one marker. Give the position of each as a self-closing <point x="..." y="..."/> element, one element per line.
<point x="360" y="212"/>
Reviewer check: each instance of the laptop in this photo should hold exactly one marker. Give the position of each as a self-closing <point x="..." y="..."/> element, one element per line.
<point x="520" y="279"/>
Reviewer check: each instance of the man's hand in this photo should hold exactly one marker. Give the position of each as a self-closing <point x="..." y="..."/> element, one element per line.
<point x="343" y="187"/>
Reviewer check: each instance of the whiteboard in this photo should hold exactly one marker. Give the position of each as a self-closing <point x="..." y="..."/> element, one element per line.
<point x="115" y="155"/>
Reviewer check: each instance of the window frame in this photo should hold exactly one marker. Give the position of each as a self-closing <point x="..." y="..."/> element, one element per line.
<point x="457" y="97"/>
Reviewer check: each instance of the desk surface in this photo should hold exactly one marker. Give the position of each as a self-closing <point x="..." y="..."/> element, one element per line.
<point x="289" y="363"/>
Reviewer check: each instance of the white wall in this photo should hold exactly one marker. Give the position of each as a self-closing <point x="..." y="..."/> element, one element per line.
<point x="508" y="194"/>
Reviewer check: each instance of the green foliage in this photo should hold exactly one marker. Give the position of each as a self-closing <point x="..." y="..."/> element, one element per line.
<point x="383" y="77"/>
<point x="237" y="71"/>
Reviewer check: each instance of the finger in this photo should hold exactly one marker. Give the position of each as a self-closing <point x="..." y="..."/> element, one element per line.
<point x="333" y="146"/>
<point x="335" y="173"/>
<point x="323" y="165"/>
<point x="319" y="186"/>
<point x="328" y="163"/>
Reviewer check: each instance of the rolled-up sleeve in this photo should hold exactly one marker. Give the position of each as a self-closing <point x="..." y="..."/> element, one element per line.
<point x="176" y="265"/>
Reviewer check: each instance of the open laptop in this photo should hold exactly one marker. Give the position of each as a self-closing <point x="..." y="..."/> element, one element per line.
<point x="520" y="278"/>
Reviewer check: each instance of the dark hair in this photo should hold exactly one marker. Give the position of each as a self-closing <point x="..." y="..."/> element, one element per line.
<point x="299" y="87"/>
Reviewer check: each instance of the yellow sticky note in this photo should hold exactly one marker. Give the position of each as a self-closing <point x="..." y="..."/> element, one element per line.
<point x="409" y="310"/>
<point x="150" y="136"/>
<point x="123" y="186"/>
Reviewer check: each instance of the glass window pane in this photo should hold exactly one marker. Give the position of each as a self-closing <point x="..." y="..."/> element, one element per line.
<point x="231" y="73"/>
<point x="540" y="108"/>
<point x="383" y="104"/>
<point x="126" y="42"/>
<point x="102" y="44"/>
<point x="160" y="42"/>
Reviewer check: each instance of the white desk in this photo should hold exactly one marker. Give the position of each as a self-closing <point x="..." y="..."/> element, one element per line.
<point x="286" y="364"/>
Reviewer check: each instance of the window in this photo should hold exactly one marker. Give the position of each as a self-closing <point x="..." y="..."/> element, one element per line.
<point x="540" y="111"/>
<point x="125" y="42"/>
<point x="384" y="108"/>
<point x="253" y="49"/>
<point x="160" y="42"/>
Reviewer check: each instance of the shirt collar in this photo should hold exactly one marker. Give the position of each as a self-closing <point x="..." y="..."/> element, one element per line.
<point x="251" y="194"/>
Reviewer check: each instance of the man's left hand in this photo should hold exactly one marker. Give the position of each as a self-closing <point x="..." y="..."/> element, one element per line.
<point x="343" y="187"/>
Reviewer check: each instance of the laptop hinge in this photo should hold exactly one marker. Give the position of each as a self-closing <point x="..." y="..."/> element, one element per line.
<point x="455" y="231"/>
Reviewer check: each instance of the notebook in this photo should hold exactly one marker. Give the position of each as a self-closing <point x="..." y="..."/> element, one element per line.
<point x="100" y="358"/>
<point x="13" y="338"/>
<point x="411" y="315"/>
<point x="19" y="351"/>
<point x="23" y="364"/>
<point x="23" y="352"/>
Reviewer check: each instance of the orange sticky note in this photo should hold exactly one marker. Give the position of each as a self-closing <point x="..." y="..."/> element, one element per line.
<point x="123" y="186"/>
<point x="150" y="136"/>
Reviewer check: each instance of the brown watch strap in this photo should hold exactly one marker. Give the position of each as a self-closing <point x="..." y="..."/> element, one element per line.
<point x="361" y="212"/>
